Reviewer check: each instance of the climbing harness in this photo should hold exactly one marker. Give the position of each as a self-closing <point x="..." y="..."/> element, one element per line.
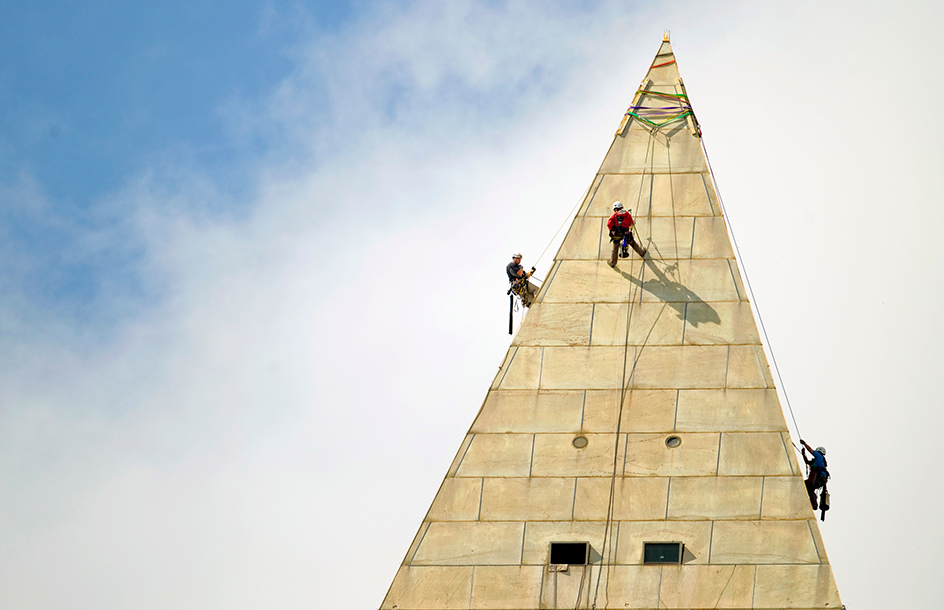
<point x="815" y="474"/>
<point x="516" y="289"/>
<point x="520" y="285"/>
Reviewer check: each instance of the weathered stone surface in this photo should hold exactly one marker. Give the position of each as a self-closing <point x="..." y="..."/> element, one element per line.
<point x="729" y="410"/>
<point x="457" y="500"/>
<point x="633" y="152"/>
<point x="523" y="369"/>
<point x="530" y="499"/>
<point x="584" y="368"/>
<point x="672" y="235"/>
<point x="648" y="455"/>
<point x="786" y="498"/>
<point x="470" y="543"/>
<point x="506" y="587"/>
<point x="649" y="324"/>
<point x="430" y="588"/>
<point x="632" y="189"/>
<point x="753" y="453"/>
<point x="720" y="324"/>
<point x="642" y="410"/>
<point x="556" y="324"/>
<point x="715" y="497"/>
<point x="761" y="542"/>
<point x="746" y="368"/>
<point x="570" y="589"/>
<point x="688" y="281"/>
<point x="586" y="239"/>
<point x="681" y="367"/>
<point x="695" y="586"/>
<point x="530" y="411"/>
<point x="798" y="586"/>
<point x="649" y="411"/>
<point x="497" y="455"/>
<point x="711" y="238"/>
<point x="631" y="587"/>
<point x="641" y="498"/>
<point x="556" y="456"/>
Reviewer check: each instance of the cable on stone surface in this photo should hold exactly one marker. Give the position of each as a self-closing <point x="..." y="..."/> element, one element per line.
<point x="747" y="281"/>
<point x="556" y="233"/>
<point x="630" y="308"/>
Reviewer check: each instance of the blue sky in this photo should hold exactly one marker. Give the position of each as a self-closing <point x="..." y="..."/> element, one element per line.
<point x="91" y="90"/>
<point x="97" y="94"/>
<point x="250" y="257"/>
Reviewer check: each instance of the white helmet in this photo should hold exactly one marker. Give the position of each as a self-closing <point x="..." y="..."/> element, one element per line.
<point x="821" y="450"/>
<point x="617" y="205"/>
<point x="516" y="255"/>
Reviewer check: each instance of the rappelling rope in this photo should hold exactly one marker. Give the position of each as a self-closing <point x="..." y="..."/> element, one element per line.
<point x="624" y="383"/>
<point x="583" y="577"/>
<point x="747" y="280"/>
<point x="573" y="211"/>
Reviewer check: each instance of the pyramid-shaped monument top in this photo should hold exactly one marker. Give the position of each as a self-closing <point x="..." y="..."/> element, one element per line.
<point x="634" y="416"/>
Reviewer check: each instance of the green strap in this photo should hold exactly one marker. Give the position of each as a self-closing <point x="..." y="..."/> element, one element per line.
<point x="654" y="124"/>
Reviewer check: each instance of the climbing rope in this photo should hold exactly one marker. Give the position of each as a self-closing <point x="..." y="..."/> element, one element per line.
<point x="573" y="210"/>
<point x="611" y="504"/>
<point x="624" y="384"/>
<point x="583" y="577"/>
<point x="747" y="280"/>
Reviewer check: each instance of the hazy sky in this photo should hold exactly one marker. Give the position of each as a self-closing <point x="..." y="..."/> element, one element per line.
<point x="251" y="269"/>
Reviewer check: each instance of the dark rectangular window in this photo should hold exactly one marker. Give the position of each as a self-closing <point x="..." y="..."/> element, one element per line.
<point x="662" y="552"/>
<point x="572" y="553"/>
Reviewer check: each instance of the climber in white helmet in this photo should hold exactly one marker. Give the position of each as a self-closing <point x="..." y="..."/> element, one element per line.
<point x="621" y="233"/>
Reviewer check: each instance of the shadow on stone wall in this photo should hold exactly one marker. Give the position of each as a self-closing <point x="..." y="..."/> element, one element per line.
<point x="675" y="295"/>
